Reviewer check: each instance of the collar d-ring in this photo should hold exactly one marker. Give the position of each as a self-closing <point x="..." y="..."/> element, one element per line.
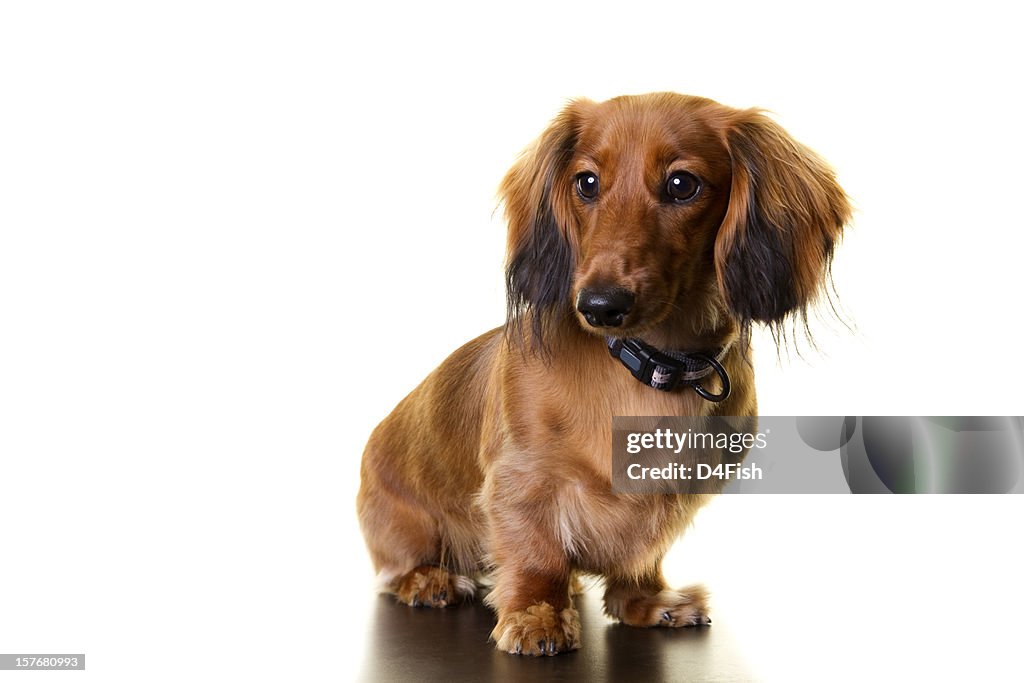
<point x="667" y="370"/>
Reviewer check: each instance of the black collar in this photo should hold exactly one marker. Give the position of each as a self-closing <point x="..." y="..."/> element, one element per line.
<point x="667" y="370"/>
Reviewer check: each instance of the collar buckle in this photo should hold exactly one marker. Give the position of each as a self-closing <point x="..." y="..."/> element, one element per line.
<point x="643" y="363"/>
<point x="665" y="373"/>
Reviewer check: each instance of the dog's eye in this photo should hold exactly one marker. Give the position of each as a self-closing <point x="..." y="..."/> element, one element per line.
<point x="682" y="186"/>
<point x="587" y="186"/>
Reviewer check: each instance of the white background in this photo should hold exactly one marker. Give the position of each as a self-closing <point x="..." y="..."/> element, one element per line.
<point x="234" y="235"/>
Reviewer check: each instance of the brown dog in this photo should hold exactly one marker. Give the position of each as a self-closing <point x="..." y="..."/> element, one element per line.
<point x="668" y="219"/>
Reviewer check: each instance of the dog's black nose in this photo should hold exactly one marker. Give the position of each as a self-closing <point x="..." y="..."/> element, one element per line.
<point x="605" y="306"/>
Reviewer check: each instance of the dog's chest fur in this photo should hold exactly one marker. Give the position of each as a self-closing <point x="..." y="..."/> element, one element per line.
<point x="557" y="463"/>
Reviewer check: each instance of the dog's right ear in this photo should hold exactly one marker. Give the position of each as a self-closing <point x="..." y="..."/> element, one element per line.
<point x="536" y="194"/>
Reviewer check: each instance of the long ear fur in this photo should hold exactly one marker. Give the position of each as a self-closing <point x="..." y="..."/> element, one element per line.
<point x="786" y="212"/>
<point x="541" y="254"/>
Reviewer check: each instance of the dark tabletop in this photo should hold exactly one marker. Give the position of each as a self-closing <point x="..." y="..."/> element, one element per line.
<point x="423" y="644"/>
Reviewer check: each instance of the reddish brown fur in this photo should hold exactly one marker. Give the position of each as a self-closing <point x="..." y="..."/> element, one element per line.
<point x="500" y="459"/>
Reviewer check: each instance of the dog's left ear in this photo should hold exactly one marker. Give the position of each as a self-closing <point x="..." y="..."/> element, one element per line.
<point x="786" y="212"/>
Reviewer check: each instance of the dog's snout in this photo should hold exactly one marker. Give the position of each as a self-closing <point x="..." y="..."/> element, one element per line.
<point x="605" y="306"/>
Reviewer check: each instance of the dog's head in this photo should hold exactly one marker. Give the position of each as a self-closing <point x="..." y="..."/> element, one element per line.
<point x="664" y="209"/>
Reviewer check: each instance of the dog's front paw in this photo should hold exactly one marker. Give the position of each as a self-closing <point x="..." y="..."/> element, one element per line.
<point x="670" y="608"/>
<point x="675" y="608"/>
<point x="428" y="586"/>
<point x="538" y="630"/>
<point x="684" y="610"/>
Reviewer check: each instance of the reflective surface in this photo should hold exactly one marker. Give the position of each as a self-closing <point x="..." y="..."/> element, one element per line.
<point x="420" y="644"/>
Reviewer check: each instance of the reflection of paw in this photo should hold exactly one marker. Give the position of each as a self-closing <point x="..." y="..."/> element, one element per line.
<point x="428" y="586"/>
<point x="538" y="630"/>
<point x="670" y="608"/>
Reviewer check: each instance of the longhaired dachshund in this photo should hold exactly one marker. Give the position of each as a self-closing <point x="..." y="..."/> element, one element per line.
<point x="645" y="236"/>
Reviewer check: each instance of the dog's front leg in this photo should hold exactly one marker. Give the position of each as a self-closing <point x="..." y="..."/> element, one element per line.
<point x="535" y="613"/>
<point x="533" y="578"/>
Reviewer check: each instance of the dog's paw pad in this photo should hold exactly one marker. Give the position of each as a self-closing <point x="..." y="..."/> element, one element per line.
<point x="433" y="587"/>
<point x="538" y="631"/>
